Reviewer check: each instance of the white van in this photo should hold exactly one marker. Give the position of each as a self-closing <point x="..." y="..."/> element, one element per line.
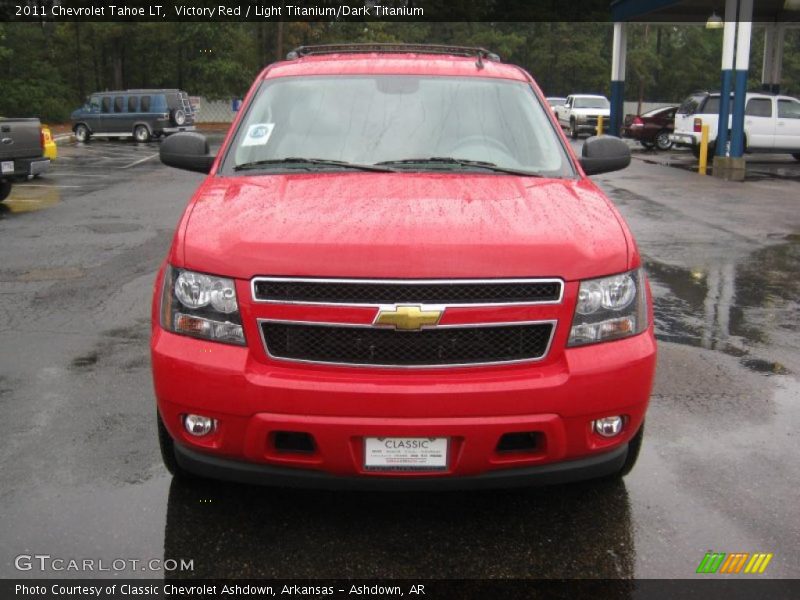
<point x="771" y="123"/>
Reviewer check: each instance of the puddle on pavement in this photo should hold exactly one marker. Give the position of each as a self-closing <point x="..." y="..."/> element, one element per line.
<point x="261" y="532"/>
<point x="748" y="308"/>
<point x="755" y="171"/>
<point x="25" y="199"/>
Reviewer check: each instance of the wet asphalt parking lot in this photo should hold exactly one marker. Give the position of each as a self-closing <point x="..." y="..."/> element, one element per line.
<point x="82" y="477"/>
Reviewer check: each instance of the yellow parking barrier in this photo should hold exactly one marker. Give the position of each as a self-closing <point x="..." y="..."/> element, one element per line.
<point x="599" y="124"/>
<point x="701" y="167"/>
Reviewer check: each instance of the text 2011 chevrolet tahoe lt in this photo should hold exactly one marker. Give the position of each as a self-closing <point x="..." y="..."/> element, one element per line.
<point x="397" y="275"/>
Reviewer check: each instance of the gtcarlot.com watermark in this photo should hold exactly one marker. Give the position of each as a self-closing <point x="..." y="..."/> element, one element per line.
<point x="57" y="564"/>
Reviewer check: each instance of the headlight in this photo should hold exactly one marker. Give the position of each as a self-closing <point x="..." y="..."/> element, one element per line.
<point x="609" y="308"/>
<point x="580" y="118"/>
<point x="201" y="305"/>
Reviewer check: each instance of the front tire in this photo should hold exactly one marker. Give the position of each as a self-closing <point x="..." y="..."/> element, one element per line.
<point x="82" y="133"/>
<point x="167" y="447"/>
<point x="141" y="134"/>
<point x="573" y="130"/>
<point x="662" y="140"/>
<point x="5" y="189"/>
<point x="634" y="447"/>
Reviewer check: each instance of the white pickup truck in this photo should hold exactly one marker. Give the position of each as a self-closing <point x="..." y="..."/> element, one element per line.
<point x="580" y="111"/>
<point x="771" y="123"/>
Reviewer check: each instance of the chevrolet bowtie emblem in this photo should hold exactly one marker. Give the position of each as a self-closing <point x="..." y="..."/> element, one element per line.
<point x="407" y="318"/>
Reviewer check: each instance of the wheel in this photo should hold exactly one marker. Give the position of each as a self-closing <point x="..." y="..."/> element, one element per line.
<point x="5" y="189"/>
<point x="82" y="133"/>
<point x="178" y="117"/>
<point x="634" y="446"/>
<point x="167" y="447"/>
<point x="573" y="130"/>
<point x="141" y="134"/>
<point x="662" y="141"/>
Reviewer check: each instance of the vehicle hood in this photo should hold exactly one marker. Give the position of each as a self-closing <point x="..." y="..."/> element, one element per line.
<point x="404" y="225"/>
<point x="591" y="112"/>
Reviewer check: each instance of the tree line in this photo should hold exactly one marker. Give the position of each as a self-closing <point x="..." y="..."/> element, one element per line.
<point x="47" y="69"/>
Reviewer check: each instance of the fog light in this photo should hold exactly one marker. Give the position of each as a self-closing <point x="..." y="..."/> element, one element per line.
<point x="199" y="426"/>
<point x="608" y="426"/>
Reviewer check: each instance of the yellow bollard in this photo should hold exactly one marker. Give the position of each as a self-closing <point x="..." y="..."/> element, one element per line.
<point x="599" y="124"/>
<point x="701" y="167"/>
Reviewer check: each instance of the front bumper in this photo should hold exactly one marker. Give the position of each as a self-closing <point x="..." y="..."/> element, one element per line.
<point x="253" y="398"/>
<point x="214" y="467"/>
<point x="590" y="126"/>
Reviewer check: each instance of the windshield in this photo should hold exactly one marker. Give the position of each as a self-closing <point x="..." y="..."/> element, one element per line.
<point x="591" y="103"/>
<point x="397" y="121"/>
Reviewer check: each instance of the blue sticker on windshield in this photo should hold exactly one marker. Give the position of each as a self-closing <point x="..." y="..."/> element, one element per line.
<point x="258" y="134"/>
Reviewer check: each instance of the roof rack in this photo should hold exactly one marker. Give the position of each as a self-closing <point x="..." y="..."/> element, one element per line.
<point x="479" y="53"/>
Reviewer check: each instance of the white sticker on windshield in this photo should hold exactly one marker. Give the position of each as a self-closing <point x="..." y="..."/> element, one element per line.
<point x="258" y="134"/>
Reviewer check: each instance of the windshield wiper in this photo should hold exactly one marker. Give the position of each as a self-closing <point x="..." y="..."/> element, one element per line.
<point x="257" y="164"/>
<point x="461" y="162"/>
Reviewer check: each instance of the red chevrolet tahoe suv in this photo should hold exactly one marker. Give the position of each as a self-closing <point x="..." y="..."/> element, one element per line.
<point x="398" y="275"/>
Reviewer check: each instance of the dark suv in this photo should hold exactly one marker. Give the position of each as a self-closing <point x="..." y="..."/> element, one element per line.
<point x="142" y="114"/>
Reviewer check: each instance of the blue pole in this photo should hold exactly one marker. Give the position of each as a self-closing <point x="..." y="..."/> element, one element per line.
<point x="617" y="107"/>
<point x="743" y="33"/>
<point x="619" y="51"/>
<point x="726" y="87"/>
<point x="724" y="112"/>
<point x="737" y="123"/>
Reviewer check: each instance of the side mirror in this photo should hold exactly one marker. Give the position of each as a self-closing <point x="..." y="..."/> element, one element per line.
<point x="187" y="151"/>
<point x="604" y="154"/>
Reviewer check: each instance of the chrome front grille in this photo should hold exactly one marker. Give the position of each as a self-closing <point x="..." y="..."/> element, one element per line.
<point x="396" y="341"/>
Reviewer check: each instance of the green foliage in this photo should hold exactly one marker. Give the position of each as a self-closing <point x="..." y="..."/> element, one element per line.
<point x="567" y="58"/>
<point x="30" y="81"/>
<point x="46" y="69"/>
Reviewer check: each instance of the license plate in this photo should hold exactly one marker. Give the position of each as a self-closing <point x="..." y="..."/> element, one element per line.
<point x="405" y="454"/>
<point x="7" y="166"/>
